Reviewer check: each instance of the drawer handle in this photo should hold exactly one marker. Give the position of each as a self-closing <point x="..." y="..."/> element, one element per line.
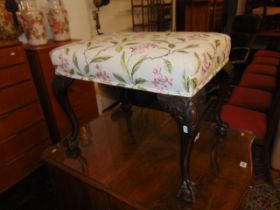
<point x="12" y="54"/>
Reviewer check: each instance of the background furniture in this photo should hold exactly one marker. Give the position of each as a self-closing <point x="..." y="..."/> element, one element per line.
<point x="23" y="130"/>
<point x="133" y="166"/>
<point x="243" y="34"/>
<point x="152" y="15"/>
<point x="200" y="15"/>
<point x="254" y="104"/>
<point x="270" y="12"/>
<point x="216" y="15"/>
<point x="83" y="102"/>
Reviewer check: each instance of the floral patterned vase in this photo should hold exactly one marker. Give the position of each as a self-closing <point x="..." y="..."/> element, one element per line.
<point x="58" y="20"/>
<point x="32" y="21"/>
<point x="7" y="28"/>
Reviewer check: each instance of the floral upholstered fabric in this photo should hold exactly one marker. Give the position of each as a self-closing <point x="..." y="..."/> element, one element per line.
<point x="173" y="63"/>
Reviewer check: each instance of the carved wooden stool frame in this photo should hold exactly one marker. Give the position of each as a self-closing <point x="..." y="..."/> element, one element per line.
<point x="187" y="112"/>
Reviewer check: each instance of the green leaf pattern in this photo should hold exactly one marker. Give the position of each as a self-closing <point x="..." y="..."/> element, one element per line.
<point x="168" y="65"/>
<point x="152" y="61"/>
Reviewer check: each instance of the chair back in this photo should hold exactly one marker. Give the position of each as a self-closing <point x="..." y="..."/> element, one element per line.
<point x="244" y="29"/>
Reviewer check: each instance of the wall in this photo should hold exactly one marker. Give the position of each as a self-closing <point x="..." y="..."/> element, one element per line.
<point x="116" y="16"/>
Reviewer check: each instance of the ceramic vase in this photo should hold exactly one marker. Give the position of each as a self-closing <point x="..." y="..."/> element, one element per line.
<point x="58" y="20"/>
<point x="32" y="21"/>
<point x="7" y="28"/>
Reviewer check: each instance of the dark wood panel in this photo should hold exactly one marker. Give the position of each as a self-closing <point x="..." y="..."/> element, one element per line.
<point x="13" y="122"/>
<point x="197" y="16"/>
<point x="22" y="141"/>
<point x="17" y="96"/>
<point x="14" y="74"/>
<point x="17" y="169"/>
<point x="88" y="198"/>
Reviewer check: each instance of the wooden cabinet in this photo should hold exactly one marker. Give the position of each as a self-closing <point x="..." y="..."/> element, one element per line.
<point x="199" y="15"/>
<point x="82" y="94"/>
<point x="192" y="15"/>
<point x="23" y="130"/>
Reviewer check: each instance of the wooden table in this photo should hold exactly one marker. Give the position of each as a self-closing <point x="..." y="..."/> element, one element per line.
<point x="133" y="163"/>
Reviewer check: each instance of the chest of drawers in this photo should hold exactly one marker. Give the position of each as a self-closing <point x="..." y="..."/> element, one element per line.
<point x="23" y="130"/>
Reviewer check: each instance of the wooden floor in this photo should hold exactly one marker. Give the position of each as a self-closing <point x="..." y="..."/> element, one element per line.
<point x="134" y="164"/>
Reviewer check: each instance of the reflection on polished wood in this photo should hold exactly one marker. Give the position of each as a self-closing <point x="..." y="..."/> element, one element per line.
<point x="134" y="164"/>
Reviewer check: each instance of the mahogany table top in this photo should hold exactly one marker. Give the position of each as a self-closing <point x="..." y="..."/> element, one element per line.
<point x="137" y="162"/>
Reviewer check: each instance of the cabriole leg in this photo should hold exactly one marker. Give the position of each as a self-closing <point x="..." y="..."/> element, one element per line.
<point x="184" y="111"/>
<point x="60" y="87"/>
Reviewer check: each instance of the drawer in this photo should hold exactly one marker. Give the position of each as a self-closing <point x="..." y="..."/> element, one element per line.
<point x="11" y="56"/>
<point x="17" y="96"/>
<point x="25" y="164"/>
<point x="14" y="74"/>
<point x="13" y="122"/>
<point x="19" y="143"/>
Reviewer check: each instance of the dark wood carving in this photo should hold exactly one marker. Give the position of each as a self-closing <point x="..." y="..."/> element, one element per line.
<point x="186" y="113"/>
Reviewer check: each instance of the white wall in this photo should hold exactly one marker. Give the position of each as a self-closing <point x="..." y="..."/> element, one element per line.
<point x="116" y="16"/>
<point x="79" y="18"/>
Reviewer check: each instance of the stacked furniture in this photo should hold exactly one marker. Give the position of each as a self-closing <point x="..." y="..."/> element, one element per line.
<point x="254" y="103"/>
<point x="23" y="130"/>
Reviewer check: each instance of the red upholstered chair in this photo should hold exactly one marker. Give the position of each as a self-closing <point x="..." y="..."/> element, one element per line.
<point x="267" y="53"/>
<point x="267" y="60"/>
<point x="246" y="119"/>
<point x="268" y="70"/>
<point x="254" y="99"/>
<point x="258" y="81"/>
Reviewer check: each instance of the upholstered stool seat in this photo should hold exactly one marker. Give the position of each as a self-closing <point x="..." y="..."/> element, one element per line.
<point x="267" y="60"/>
<point x="268" y="70"/>
<point x="254" y="99"/>
<point x="267" y="53"/>
<point x="173" y="63"/>
<point x="246" y="119"/>
<point x="257" y="81"/>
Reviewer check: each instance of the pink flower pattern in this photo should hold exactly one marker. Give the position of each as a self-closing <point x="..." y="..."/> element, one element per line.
<point x="160" y="81"/>
<point x="146" y="61"/>
<point x="102" y="75"/>
<point x="206" y="63"/>
<point x="64" y="63"/>
<point x="142" y="48"/>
